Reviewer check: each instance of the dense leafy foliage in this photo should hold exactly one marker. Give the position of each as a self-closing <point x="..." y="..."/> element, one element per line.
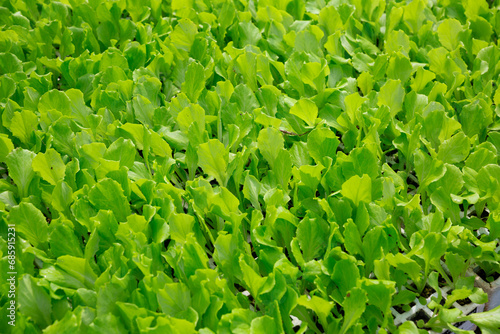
<point x="216" y="166"/>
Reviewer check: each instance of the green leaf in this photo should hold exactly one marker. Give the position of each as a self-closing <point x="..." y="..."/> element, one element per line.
<point x="283" y="168"/>
<point x="306" y="110"/>
<point x="62" y="197"/>
<point x="68" y="324"/>
<point x="422" y="78"/>
<point x="352" y="238"/>
<point x="365" y="82"/>
<point x="314" y="75"/>
<point x="19" y="164"/>
<point x="475" y="117"/>
<point x="455" y="149"/>
<point x="183" y="35"/>
<point x="78" y="108"/>
<point x="321" y="143"/>
<point x="63" y="240"/>
<point x="345" y="275"/>
<point x="397" y="40"/>
<point x="251" y="190"/>
<point x="310" y="176"/>
<point x="195" y="81"/>
<point x="488" y="184"/>
<point x="408" y="327"/>
<point x="354" y="305"/>
<point x="23" y="124"/>
<point x="193" y="114"/>
<point x="34" y="301"/>
<point x="143" y="110"/>
<point x="456" y="264"/>
<point x="107" y="323"/>
<point x="239" y="321"/>
<point x="244" y="98"/>
<point x="78" y="269"/>
<point x="180" y="226"/>
<point x="399" y="68"/>
<point x="358" y="189"/>
<point x="353" y="103"/>
<point x="375" y="244"/>
<point x="443" y="201"/>
<point x="380" y="294"/>
<point x="7" y="87"/>
<point x="486" y="320"/>
<point x="405" y="264"/>
<point x="254" y="282"/>
<point x="449" y="33"/>
<point x="166" y="325"/>
<point x="428" y="170"/>
<point x="31" y="223"/>
<point x="480" y="158"/>
<point x="108" y="195"/>
<point x="435" y="246"/>
<point x="249" y="34"/>
<point x="312" y="234"/>
<point x="6" y="147"/>
<point x="174" y="298"/>
<point x="55" y="100"/>
<point x="122" y="150"/>
<point x="50" y="166"/>
<point x="9" y="63"/>
<point x="270" y="142"/>
<point x="392" y="95"/>
<point x="320" y="306"/>
<point x="264" y="324"/>
<point x="213" y="159"/>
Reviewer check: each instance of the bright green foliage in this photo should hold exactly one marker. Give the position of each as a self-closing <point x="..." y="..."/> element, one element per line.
<point x="218" y="166"/>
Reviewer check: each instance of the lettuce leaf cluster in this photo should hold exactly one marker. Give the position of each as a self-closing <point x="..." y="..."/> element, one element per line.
<point x="231" y="166"/>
